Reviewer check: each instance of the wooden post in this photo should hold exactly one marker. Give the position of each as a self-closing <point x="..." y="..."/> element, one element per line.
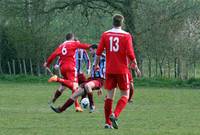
<point x="13" y="65"/>
<point x="24" y="64"/>
<point x="9" y="68"/>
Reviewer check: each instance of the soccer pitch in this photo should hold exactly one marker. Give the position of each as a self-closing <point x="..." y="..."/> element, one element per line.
<point x="155" y="111"/>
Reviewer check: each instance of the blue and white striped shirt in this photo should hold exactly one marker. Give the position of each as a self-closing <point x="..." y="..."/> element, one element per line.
<point x="102" y="67"/>
<point x="81" y="56"/>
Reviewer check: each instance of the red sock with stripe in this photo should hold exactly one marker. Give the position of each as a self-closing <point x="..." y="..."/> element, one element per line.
<point x="108" y="110"/>
<point x="121" y="104"/>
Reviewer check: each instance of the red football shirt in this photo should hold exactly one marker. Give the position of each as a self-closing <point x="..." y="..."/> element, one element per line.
<point x="66" y="52"/>
<point x="119" y="49"/>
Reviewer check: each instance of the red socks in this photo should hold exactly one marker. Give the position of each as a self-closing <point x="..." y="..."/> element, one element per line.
<point x="67" y="104"/>
<point x="108" y="110"/>
<point x="121" y="104"/>
<point x="56" y="95"/>
<point x="90" y="97"/>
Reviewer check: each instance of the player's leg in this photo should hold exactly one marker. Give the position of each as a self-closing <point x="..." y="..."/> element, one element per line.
<point x="68" y="83"/>
<point x="57" y="93"/>
<point x="69" y="102"/>
<point x="108" y="103"/>
<point x="123" y="83"/>
<point x="72" y="75"/>
<point x="88" y="88"/>
<point x="131" y="93"/>
<point x="110" y="85"/>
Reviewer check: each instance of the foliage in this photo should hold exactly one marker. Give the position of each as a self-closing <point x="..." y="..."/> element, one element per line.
<point x="166" y="32"/>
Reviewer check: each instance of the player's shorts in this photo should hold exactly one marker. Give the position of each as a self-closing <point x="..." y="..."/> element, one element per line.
<point x="130" y="77"/>
<point x="69" y="75"/>
<point x="81" y="78"/>
<point x="114" y="80"/>
<point x="97" y="81"/>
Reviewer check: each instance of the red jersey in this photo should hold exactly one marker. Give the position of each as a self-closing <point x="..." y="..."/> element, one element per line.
<point x="119" y="49"/>
<point x="66" y="52"/>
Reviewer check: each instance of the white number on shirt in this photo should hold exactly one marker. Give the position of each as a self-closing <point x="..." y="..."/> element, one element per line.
<point x="64" y="51"/>
<point x="114" y="44"/>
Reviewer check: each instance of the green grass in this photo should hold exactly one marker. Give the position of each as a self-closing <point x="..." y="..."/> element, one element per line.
<point x="155" y="111"/>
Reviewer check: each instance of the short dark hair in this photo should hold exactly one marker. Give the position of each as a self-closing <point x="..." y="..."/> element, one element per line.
<point x="69" y="36"/>
<point x="94" y="46"/>
<point x="118" y="20"/>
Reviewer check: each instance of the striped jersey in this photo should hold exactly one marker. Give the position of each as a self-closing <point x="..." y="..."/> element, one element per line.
<point x="102" y="67"/>
<point x="82" y="57"/>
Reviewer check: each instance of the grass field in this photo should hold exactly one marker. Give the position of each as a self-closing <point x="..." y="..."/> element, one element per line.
<point x="155" y="111"/>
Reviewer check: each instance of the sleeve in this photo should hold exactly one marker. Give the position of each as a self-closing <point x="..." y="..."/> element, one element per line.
<point x="82" y="45"/>
<point x="52" y="56"/>
<point x="86" y="59"/>
<point x="130" y="50"/>
<point x="101" y="46"/>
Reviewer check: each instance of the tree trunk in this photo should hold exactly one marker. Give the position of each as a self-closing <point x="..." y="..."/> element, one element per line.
<point x="161" y="69"/>
<point x="9" y="68"/>
<point x="24" y="64"/>
<point x="195" y="72"/>
<point x="1" y="71"/>
<point x="31" y="66"/>
<point x="156" y="67"/>
<point x="13" y="65"/>
<point x="175" y="67"/>
<point x="169" y="68"/>
<point x="179" y="68"/>
<point x="20" y="66"/>
<point x="38" y="69"/>
<point x="149" y="67"/>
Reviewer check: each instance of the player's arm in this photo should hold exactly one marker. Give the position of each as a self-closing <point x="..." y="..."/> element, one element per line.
<point x="131" y="55"/>
<point x="87" y="61"/>
<point x="51" y="58"/>
<point x="99" y="51"/>
<point x="83" y="45"/>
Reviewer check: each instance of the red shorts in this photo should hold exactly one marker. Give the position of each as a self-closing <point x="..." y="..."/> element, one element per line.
<point x="114" y="80"/>
<point x="97" y="81"/>
<point x="69" y="75"/>
<point x="81" y="78"/>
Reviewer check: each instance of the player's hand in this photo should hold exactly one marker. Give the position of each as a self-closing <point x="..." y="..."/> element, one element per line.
<point x="56" y="66"/>
<point x="137" y="71"/>
<point x="45" y="64"/>
<point x="99" y="92"/>
<point x="133" y="66"/>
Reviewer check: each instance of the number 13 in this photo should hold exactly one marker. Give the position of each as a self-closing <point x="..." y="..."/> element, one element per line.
<point x="114" y="44"/>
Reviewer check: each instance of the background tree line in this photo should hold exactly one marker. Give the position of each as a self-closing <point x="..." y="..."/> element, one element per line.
<point x="166" y="32"/>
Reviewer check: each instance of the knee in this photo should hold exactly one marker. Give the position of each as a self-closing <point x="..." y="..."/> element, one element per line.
<point x="88" y="88"/>
<point x="125" y="94"/>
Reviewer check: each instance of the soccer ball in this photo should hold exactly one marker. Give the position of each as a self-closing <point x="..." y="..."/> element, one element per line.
<point x="85" y="103"/>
